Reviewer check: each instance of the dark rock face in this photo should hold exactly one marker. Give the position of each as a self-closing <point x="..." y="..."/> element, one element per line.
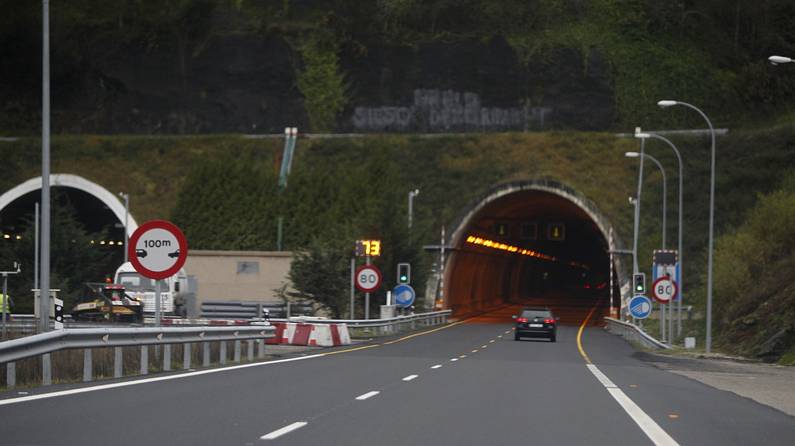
<point x="247" y="84"/>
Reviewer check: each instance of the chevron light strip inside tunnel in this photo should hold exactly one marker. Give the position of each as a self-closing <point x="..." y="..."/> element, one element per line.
<point x="523" y="251"/>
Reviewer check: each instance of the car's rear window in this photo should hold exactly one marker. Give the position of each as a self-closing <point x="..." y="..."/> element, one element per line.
<point x="536" y="313"/>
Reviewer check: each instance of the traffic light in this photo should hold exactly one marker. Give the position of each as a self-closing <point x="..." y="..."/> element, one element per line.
<point x="639" y="281"/>
<point x="404" y="272"/>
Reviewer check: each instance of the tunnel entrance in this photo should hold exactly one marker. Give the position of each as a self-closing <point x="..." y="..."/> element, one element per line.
<point x="531" y="244"/>
<point x="75" y="201"/>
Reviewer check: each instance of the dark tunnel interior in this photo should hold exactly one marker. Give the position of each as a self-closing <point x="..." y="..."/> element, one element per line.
<point x="530" y="248"/>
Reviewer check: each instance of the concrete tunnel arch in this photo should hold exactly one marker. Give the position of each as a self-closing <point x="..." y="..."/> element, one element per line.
<point x="76" y="182"/>
<point x="477" y="278"/>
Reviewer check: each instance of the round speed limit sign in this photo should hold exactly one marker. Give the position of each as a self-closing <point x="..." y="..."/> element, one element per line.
<point x="664" y="289"/>
<point x="368" y="278"/>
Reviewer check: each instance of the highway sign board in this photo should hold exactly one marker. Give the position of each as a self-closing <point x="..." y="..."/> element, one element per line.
<point x="158" y="249"/>
<point x="368" y="278"/>
<point x="664" y="289"/>
<point x="404" y="295"/>
<point x="640" y="307"/>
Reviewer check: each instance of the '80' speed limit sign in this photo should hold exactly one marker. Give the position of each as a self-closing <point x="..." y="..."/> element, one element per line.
<point x="368" y="278"/>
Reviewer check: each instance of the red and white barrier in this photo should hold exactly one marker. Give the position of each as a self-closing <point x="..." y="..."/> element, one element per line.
<point x="329" y="335"/>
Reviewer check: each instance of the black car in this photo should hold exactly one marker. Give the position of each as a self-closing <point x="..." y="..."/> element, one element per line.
<point x="536" y="322"/>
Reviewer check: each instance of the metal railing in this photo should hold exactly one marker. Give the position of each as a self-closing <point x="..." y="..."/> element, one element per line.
<point x="632" y="332"/>
<point x="44" y="344"/>
<point x="241" y="309"/>
<point x="362" y="328"/>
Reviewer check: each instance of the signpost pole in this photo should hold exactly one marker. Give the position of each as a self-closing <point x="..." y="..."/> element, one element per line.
<point x="157" y="302"/>
<point x="353" y="289"/>
<point x="367" y="296"/>
<point x="5" y="305"/>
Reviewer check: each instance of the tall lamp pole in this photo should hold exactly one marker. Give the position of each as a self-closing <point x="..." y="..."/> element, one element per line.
<point x="680" y="287"/>
<point x="664" y="221"/>
<point x="636" y="203"/>
<point x="669" y="103"/>
<point x="44" y="294"/>
<point x="126" y="222"/>
<point x="412" y="194"/>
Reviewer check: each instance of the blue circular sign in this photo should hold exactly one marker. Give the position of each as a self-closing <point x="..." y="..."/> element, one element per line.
<point x="404" y="295"/>
<point x="640" y="307"/>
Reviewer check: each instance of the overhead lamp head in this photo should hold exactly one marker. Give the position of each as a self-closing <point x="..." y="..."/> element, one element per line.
<point x="666" y="103"/>
<point x="775" y="60"/>
<point x="632" y="154"/>
<point x="642" y="135"/>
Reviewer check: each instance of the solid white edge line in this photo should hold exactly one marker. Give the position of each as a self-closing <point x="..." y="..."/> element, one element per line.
<point x="600" y="376"/>
<point x="285" y="430"/>
<point x="436" y="366"/>
<point x="148" y="380"/>
<point x="649" y="427"/>
<point x="410" y="377"/>
<point x="370" y="394"/>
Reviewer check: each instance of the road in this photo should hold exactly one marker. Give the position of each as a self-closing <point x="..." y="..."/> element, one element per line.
<point x="469" y="383"/>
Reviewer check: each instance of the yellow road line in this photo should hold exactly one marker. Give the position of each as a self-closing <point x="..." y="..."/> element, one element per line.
<point x="350" y="349"/>
<point x="579" y="333"/>
<point x="423" y="333"/>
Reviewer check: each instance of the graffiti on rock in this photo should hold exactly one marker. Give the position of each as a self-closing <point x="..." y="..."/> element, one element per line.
<point x="447" y="110"/>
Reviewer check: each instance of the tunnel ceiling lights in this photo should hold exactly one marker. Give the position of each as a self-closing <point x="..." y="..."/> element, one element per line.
<point x="523" y="251"/>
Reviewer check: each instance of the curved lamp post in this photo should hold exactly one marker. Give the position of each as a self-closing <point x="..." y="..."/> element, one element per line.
<point x="669" y="103"/>
<point x="679" y="241"/>
<point x="664" y="221"/>
<point x="665" y="187"/>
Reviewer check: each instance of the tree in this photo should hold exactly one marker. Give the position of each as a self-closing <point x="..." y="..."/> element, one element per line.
<point x="321" y="273"/>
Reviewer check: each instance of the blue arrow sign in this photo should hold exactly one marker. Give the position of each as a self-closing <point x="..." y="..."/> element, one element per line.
<point x="640" y="307"/>
<point x="404" y="295"/>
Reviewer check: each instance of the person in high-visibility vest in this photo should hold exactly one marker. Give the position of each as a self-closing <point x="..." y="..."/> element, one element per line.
<point x="7" y="302"/>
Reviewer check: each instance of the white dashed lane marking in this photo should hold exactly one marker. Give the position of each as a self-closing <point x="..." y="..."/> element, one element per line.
<point x="285" y="430"/>
<point x="367" y="395"/>
<point x="410" y="377"/>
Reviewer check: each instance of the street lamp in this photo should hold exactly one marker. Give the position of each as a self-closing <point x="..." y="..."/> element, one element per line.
<point x="126" y="222"/>
<point x="669" y="103"/>
<point x="664" y="223"/>
<point x="412" y="194"/>
<point x="775" y="60"/>
<point x="679" y="242"/>
<point x="665" y="187"/>
<point x="636" y="204"/>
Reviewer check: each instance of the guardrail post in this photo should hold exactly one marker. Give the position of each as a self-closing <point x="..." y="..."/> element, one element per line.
<point x="117" y="362"/>
<point x="88" y="366"/>
<point x="237" y="351"/>
<point x="206" y="354"/>
<point x="167" y="358"/>
<point x="251" y="349"/>
<point x="261" y="348"/>
<point x="187" y="349"/>
<point x="222" y="359"/>
<point x="11" y="375"/>
<point x="144" y="360"/>
<point x="46" y="369"/>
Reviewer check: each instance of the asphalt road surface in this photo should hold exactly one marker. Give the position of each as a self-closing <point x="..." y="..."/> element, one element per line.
<point x="469" y="383"/>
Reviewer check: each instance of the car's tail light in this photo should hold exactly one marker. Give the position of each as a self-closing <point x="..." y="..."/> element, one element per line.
<point x="549" y="321"/>
<point x="522" y="320"/>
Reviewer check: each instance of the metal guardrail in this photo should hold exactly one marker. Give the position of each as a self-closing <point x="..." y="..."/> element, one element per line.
<point x="89" y="338"/>
<point x="241" y="309"/>
<point x="632" y="332"/>
<point x="380" y="327"/>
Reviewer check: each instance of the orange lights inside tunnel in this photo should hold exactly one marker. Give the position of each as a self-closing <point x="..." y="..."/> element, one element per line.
<point x="523" y="251"/>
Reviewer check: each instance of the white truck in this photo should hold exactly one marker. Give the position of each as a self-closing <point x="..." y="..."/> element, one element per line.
<point x="143" y="288"/>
